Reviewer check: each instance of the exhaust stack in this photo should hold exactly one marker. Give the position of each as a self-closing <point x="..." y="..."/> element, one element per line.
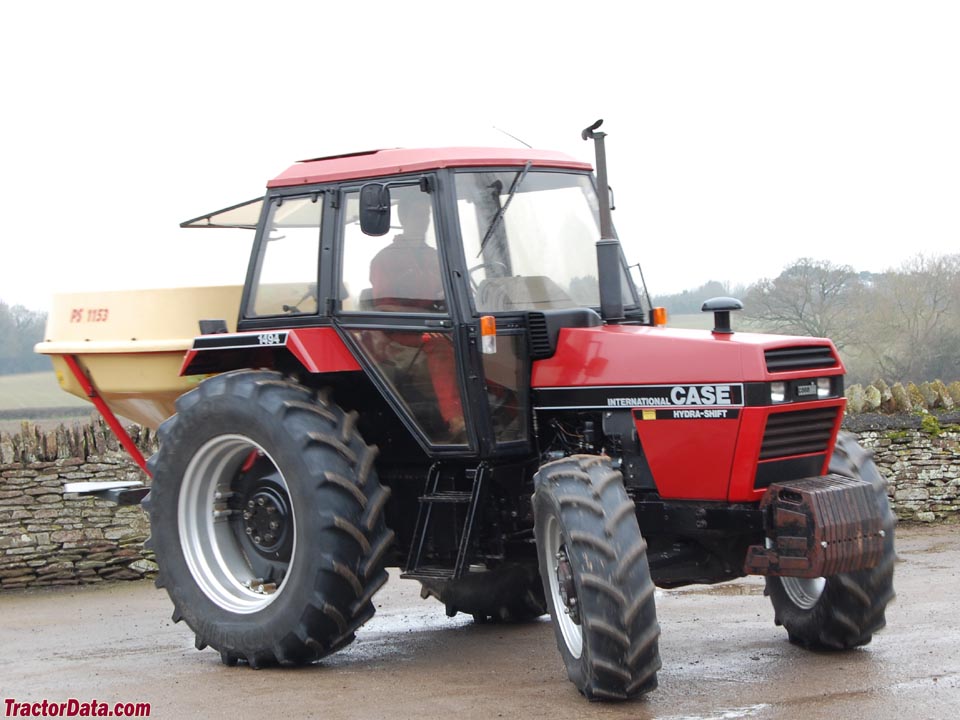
<point x="608" y="248"/>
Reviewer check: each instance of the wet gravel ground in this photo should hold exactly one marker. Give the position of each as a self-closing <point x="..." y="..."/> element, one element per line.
<point x="723" y="658"/>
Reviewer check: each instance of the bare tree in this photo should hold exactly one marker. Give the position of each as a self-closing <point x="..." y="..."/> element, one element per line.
<point x="810" y="297"/>
<point x="690" y="301"/>
<point x="914" y="320"/>
<point x="20" y="329"/>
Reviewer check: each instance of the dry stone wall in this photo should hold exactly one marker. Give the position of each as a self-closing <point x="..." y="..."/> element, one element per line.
<point x="879" y="397"/>
<point x="48" y="538"/>
<point x="923" y="466"/>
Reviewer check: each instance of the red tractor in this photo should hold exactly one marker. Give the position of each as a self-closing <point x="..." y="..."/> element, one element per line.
<point x="442" y="362"/>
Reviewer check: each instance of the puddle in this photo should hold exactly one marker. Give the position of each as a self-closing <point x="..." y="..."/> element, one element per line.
<point x="728" y="589"/>
<point x="724" y="714"/>
<point x="386" y="622"/>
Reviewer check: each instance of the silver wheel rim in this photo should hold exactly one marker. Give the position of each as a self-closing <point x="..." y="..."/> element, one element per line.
<point x="804" y="592"/>
<point x="210" y="546"/>
<point x="571" y="632"/>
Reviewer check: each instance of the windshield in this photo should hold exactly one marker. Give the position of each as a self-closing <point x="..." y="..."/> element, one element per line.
<point x="541" y="254"/>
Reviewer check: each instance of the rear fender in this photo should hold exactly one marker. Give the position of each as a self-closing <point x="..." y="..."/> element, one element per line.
<point x="318" y="350"/>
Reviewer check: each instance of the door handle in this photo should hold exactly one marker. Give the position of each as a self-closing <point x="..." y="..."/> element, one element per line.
<point x="437" y="323"/>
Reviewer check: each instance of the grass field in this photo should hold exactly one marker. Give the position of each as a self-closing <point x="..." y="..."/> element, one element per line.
<point x="38" y="398"/>
<point x="694" y="321"/>
<point x="32" y="391"/>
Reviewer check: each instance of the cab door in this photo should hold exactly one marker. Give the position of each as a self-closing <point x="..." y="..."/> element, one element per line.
<point x="498" y="370"/>
<point x="393" y="306"/>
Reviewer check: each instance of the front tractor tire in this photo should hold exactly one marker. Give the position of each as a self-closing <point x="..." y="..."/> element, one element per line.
<point x="841" y="611"/>
<point x="267" y="520"/>
<point x="593" y="564"/>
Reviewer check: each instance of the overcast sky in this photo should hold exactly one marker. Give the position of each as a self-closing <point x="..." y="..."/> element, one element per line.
<point x="741" y="135"/>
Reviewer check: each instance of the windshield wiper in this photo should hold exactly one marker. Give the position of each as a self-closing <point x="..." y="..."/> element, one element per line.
<point x="503" y="208"/>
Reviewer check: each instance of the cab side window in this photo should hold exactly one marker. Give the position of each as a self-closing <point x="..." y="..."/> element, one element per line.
<point x="399" y="272"/>
<point x="285" y="280"/>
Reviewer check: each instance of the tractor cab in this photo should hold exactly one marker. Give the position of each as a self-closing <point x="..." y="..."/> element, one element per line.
<point x="443" y="274"/>
<point x="517" y="248"/>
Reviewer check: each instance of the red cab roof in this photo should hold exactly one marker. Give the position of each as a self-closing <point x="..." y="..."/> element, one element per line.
<point x="393" y="162"/>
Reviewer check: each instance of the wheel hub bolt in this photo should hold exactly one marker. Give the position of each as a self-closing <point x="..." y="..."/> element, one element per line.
<point x="249" y="531"/>
<point x="250" y="504"/>
<point x="256" y="538"/>
<point x="247" y="514"/>
<point x="274" y="524"/>
<point x="268" y="538"/>
<point x="261" y="501"/>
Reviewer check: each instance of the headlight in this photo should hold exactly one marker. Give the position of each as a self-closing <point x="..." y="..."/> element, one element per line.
<point x="824" y="388"/>
<point x="778" y="392"/>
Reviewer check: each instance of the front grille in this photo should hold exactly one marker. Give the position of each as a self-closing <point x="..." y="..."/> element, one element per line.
<point x="802" y="357"/>
<point x="798" y="433"/>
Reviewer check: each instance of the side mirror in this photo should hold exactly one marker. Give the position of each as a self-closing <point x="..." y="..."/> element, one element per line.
<point x="375" y="209"/>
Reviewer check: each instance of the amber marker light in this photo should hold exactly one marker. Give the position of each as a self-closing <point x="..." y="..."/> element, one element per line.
<point x="659" y="316"/>
<point x="488" y="334"/>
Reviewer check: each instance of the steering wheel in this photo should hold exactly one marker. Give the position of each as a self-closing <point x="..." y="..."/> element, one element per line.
<point x="310" y="294"/>
<point x="499" y="267"/>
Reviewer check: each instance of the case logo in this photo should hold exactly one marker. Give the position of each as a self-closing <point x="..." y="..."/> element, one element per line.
<point x="652" y="397"/>
<point x="683" y="396"/>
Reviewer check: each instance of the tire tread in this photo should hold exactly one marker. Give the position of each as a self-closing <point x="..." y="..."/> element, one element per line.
<point x="344" y="494"/>
<point x="620" y="656"/>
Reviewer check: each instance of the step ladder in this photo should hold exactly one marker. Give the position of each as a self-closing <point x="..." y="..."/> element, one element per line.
<point x="434" y="501"/>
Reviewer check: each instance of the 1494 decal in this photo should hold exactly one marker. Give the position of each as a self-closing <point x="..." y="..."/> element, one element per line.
<point x="271" y="338"/>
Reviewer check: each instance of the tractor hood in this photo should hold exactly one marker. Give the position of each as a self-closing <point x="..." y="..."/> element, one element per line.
<point x="756" y="405"/>
<point x="624" y="355"/>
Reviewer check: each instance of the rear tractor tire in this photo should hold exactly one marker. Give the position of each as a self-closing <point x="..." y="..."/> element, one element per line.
<point x="593" y="564"/>
<point x="841" y="611"/>
<point x="267" y="520"/>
